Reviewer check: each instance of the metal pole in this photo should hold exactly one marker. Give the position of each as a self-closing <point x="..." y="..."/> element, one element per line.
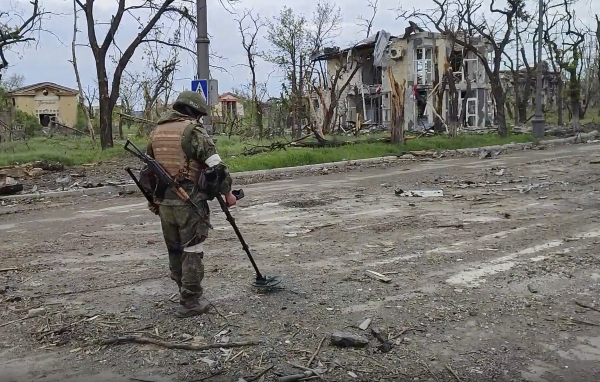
<point x="202" y="52"/>
<point x="538" y="121"/>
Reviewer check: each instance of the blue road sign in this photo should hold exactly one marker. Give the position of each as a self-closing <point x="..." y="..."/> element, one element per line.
<point x="198" y="85"/>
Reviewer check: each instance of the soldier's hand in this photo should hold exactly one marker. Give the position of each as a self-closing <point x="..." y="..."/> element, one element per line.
<point x="153" y="208"/>
<point x="230" y="199"/>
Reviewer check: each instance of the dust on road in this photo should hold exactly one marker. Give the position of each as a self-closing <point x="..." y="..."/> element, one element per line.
<point x="496" y="280"/>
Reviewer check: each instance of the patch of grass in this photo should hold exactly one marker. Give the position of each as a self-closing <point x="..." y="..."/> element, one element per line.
<point x="306" y="156"/>
<point x="68" y="151"/>
<point x="73" y="151"/>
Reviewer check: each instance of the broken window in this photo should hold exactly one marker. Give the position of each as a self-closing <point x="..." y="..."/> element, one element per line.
<point x="423" y="65"/>
<point x="471" y="115"/>
<point x="421" y="106"/>
<point x="471" y="69"/>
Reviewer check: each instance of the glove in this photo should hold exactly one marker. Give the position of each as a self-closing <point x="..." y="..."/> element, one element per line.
<point x="153" y="208"/>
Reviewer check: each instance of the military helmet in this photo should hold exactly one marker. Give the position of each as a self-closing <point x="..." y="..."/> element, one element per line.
<point x="191" y="103"/>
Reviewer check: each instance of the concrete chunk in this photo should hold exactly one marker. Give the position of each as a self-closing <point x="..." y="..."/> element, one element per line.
<point x="343" y="339"/>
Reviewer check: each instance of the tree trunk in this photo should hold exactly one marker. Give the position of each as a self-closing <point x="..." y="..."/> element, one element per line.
<point x="560" y="102"/>
<point x="524" y="102"/>
<point x="517" y="106"/>
<point x="397" y="101"/>
<point x="575" y="98"/>
<point x="453" y="104"/>
<point x="575" y="110"/>
<point x="80" y="100"/>
<point x="259" y="119"/>
<point x="106" y="110"/>
<point x="499" y="99"/>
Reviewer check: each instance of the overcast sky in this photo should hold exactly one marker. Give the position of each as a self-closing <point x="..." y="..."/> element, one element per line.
<point x="48" y="58"/>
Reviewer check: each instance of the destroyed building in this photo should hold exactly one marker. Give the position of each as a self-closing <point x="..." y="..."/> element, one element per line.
<point x="417" y="60"/>
<point x="550" y="80"/>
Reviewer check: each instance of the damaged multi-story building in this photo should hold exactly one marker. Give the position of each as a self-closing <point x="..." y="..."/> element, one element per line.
<point x="417" y="60"/>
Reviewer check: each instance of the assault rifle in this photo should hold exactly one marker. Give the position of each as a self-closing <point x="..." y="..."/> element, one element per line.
<point x="161" y="174"/>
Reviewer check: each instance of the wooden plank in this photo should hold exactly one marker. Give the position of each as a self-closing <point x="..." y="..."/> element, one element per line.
<point x="378" y="276"/>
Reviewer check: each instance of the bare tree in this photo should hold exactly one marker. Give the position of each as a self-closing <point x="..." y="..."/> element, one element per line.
<point x="566" y="42"/>
<point x="328" y="93"/>
<point x="249" y="26"/>
<point x="294" y="39"/>
<point x="157" y="80"/>
<point x="21" y="32"/>
<point x="367" y="24"/>
<point x="80" y="99"/>
<point x="598" y="50"/>
<point x="154" y="10"/>
<point x="90" y="96"/>
<point x="522" y="78"/>
<point x="14" y="81"/>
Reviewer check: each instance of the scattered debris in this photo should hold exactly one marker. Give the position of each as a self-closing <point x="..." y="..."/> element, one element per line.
<point x="256" y="377"/>
<point x="453" y="373"/>
<point x="316" y="352"/>
<point x="9" y="186"/>
<point x="297" y="377"/>
<point x="352" y="374"/>
<point x="365" y="324"/>
<point x="36" y="312"/>
<point x="343" y="339"/>
<point x="420" y="194"/>
<point x="378" y="276"/>
<point x="307" y="373"/>
<point x="208" y="361"/>
<point x="532" y="288"/>
<point x="587" y="306"/>
<point x="171" y="345"/>
<point x="386" y="345"/>
<point x="485" y="154"/>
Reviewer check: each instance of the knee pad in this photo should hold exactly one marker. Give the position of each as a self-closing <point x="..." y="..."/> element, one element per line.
<point x="197" y="249"/>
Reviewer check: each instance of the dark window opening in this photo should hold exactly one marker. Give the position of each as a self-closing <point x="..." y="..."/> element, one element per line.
<point x="456" y="60"/>
<point x="421" y="105"/>
<point x="45" y="119"/>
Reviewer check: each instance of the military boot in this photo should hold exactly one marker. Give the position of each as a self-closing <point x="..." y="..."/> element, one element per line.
<point x="193" y="307"/>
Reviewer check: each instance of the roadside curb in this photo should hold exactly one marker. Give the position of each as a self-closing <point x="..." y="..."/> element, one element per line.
<point x="250" y="177"/>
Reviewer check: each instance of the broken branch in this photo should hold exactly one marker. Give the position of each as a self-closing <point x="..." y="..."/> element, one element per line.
<point x="9" y="269"/>
<point x="316" y="352"/>
<point x="171" y="345"/>
<point x="260" y="374"/>
<point x="587" y="306"/>
<point x="453" y="373"/>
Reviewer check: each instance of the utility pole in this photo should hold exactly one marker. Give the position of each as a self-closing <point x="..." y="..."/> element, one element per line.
<point x="202" y="51"/>
<point x="538" y="121"/>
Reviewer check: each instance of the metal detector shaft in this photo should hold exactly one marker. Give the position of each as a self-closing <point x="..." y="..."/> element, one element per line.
<point x="231" y="221"/>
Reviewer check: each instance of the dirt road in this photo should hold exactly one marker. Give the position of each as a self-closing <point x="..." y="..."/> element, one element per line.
<point x="496" y="280"/>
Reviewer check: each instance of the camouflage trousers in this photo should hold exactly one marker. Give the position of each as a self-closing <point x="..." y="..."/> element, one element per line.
<point x="184" y="232"/>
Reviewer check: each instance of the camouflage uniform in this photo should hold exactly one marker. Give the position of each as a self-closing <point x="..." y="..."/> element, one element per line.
<point x="182" y="146"/>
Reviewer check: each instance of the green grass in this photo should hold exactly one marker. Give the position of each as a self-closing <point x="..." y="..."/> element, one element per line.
<point x="306" y="156"/>
<point x="73" y="151"/>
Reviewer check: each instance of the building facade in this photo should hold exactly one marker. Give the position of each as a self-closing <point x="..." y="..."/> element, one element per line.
<point x="417" y="61"/>
<point x="47" y="100"/>
<point x="229" y="107"/>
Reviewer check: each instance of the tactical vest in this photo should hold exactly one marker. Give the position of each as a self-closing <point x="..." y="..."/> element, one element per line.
<point x="168" y="151"/>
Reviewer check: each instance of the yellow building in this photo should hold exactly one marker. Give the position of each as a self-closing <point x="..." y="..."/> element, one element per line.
<point x="46" y="100"/>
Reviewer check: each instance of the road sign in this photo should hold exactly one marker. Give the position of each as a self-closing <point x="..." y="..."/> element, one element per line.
<point x="198" y="85"/>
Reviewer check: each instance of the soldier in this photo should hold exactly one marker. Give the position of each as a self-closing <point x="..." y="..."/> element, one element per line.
<point x="182" y="147"/>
